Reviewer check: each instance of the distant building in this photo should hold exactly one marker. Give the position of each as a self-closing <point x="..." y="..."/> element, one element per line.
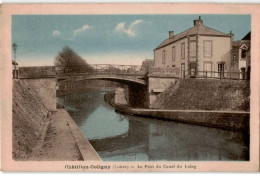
<point x="147" y="63"/>
<point x="241" y="56"/>
<point x="197" y="49"/>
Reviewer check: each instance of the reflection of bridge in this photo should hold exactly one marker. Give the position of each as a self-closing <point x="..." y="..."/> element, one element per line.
<point x="127" y="74"/>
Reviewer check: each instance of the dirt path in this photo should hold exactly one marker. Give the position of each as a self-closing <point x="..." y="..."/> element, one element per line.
<point x="59" y="143"/>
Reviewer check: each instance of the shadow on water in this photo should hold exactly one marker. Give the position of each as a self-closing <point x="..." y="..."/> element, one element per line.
<point x="119" y="137"/>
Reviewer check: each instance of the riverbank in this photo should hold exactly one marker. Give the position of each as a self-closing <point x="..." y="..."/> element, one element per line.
<point x="230" y="120"/>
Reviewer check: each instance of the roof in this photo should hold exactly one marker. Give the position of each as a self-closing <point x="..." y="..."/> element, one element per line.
<point x="239" y="43"/>
<point x="195" y="30"/>
<point x="247" y="37"/>
<point x="148" y="62"/>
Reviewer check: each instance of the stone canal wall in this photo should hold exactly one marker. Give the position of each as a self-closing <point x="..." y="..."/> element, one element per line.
<point x="235" y="121"/>
<point x="29" y="119"/>
<point x="45" y="89"/>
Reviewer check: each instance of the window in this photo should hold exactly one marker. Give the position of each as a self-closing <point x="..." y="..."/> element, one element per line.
<point x="234" y="58"/>
<point x="163" y="57"/>
<point x="193" y="49"/>
<point x="243" y="53"/>
<point x="182" y="50"/>
<point x="207" y="48"/>
<point x="220" y="67"/>
<point x="173" y="53"/>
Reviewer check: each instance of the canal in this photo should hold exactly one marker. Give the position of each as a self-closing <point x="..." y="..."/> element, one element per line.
<point x="118" y="137"/>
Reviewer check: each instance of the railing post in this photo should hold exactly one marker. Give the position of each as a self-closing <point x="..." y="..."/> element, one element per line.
<point x="206" y="74"/>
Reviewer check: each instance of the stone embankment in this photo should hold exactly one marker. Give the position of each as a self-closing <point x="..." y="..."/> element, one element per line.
<point x="213" y="103"/>
<point x="42" y="134"/>
<point x="205" y="94"/>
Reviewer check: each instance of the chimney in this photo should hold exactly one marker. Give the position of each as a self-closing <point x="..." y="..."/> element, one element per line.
<point x="232" y="39"/>
<point x="198" y="22"/>
<point x="171" y="34"/>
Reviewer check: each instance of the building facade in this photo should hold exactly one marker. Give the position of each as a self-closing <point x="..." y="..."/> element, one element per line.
<point x="241" y="57"/>
<point x="195" y="51"/>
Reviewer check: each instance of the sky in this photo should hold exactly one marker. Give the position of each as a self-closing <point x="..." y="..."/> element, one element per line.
<point x="107" y="39"/>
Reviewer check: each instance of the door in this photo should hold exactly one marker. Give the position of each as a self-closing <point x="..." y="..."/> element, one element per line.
<point x="243" y="73"/>
<point x="183" y="70"/>
<point x="220" y="70"/>
<point x="193" y="71"/>
<point x="208" y="69"/>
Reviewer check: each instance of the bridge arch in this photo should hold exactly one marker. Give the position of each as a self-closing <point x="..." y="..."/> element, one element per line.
<point x="137" y="88"/>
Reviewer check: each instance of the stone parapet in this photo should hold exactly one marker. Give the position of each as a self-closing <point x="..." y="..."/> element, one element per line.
<point x="37" y="72"/>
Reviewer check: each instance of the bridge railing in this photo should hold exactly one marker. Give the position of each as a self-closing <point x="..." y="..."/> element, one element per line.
<point x="126" y="69"/>
<point x="107" y="68"/>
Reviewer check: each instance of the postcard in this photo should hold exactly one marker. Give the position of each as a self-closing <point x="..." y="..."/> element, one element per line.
<point x="130" y="87"/>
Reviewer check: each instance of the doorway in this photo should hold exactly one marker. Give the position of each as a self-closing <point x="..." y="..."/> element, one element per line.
<point x="221" y="70"/>
<point x="207" y="69"/>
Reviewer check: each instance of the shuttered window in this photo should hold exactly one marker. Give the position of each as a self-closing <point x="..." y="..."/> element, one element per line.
<point x="163" y="57"/>
<point x="182" y="50"/>
<point x="193" y="49"/>
<point x="173" y="53"/>
<point x="207" y="48"/>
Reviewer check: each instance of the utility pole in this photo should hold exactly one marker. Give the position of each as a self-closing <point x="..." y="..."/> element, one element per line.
<point x="15" y="64"/>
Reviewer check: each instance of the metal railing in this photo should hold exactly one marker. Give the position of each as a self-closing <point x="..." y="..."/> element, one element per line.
<point x="101" y="68"/>
<point x="156" y="71"/>
<point x="216" y="75"/>
<point x="105" y="68"/>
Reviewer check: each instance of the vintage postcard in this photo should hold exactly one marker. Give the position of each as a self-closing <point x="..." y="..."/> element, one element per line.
<point x="130" y="87"/>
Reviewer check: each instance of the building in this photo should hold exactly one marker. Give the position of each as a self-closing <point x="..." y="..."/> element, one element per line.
<point x="241" y="57"/>
<point x="146" y="64"/>
<point x="195" y="51"/>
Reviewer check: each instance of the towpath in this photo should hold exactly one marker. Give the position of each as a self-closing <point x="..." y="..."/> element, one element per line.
<point x="60" y="143"/>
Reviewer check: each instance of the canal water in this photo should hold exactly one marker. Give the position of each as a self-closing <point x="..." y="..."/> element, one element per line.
<point x="118" y="137"/>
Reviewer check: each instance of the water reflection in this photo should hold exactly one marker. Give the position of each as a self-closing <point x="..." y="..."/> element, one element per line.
<point x="119" y="137"/>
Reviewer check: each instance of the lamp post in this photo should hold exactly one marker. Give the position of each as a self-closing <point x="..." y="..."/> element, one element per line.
<point x="15" y="69"/>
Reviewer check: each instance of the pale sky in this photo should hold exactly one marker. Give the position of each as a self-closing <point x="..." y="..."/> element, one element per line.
<point x="105" y="39"/>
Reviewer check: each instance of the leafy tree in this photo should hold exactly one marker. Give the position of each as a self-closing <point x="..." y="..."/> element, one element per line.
<point x="68" y="61"/>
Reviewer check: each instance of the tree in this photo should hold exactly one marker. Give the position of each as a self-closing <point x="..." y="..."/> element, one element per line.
<point x="68" y="61"/>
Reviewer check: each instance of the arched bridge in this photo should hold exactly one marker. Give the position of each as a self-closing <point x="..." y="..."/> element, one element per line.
<point x="127" y="74"/>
